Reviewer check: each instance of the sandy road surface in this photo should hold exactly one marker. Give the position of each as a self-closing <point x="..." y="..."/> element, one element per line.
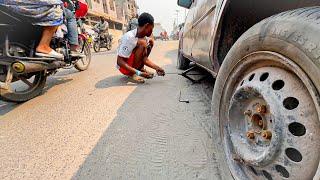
<point x="97" y="125"/>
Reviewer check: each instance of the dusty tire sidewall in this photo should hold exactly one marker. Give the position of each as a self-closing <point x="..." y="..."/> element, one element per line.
<point x="288" y="37"/>
<point x="96" y="46"/>
<point x="23" y="98"/>
<point x="109" y="46"/>
<point x="83" y="68"/>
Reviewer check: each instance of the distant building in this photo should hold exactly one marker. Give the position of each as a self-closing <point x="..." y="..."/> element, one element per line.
<point x="126" y="9"/>
<point x="116" y="12"/>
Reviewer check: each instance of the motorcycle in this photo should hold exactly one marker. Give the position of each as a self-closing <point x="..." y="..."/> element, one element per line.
<point x="84" y="33"/>
<point x="101" y="42"/>
<point x="22" y="74"/>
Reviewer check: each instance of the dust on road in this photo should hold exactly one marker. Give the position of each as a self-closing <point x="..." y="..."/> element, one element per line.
<point x="98" y="125"/>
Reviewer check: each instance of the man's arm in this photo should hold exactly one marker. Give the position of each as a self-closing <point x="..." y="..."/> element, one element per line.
<point x="152" y="65"/>
<point x="104" y="26"/>
<point x="149" y="63"/>
<point x="107" y="25"/>
<point x="96" y="26"/>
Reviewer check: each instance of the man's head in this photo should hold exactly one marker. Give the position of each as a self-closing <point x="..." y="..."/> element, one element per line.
<point x="146" y="24"/>
<point x="101" y="19"/>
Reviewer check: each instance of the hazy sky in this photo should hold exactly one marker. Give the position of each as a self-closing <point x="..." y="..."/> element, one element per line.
<point x="163" y="11"/>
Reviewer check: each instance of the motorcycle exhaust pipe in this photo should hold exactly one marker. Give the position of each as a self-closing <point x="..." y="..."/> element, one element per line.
<point x="23" y="67"/>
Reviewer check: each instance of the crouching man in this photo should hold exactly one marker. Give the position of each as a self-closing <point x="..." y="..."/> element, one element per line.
<point x="134" y="49"/>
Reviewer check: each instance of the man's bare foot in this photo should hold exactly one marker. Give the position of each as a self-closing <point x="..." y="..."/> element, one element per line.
<point x="137" y="79"/>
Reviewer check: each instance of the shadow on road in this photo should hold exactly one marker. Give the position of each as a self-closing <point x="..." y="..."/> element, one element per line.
<point x="113" y="81"/>
<point x="55" y="81"/>
<point x="103" y="52"/>
<point x="60" y="78"/>
<point x="66" y="72"/>
<point x="154" y="136"/>
<point x="6" y="107"/>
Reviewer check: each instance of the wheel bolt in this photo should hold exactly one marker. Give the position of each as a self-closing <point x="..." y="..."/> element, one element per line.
<point x="250" y="135"/>
<point x="260" y="123"/>
<point x="267" y="135"/>
<point x="262" y="109"/>
<point x="248" y="113"/>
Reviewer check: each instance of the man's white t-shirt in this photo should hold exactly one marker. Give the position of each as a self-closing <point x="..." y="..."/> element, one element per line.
<point x="127" y="44"/>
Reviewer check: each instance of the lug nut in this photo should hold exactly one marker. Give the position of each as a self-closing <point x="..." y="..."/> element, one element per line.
<point x="250" y="135"/>
<point x="262" y="109"/>
<point x="267" y="135"/>
<point x="260" y="123"/>
<point x="248" y="113"/>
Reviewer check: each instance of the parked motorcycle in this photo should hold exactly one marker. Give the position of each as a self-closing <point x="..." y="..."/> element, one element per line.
<point x="22" y="74"/>
<point x="101" y="42"/>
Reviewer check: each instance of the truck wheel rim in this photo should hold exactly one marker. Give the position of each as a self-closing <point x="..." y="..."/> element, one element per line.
<point x="272" y="112"/>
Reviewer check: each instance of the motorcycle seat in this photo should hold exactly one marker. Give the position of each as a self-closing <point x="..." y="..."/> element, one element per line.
<point x="17" y="27"/>
<point x="12" y="19"/>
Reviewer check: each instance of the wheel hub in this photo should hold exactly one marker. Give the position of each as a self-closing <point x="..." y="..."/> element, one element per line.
<point x="253" y="130"/>
<point x="272" y="127"/>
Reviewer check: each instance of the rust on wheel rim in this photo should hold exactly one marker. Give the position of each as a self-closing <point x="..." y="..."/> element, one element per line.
<point x="272" y="127"/>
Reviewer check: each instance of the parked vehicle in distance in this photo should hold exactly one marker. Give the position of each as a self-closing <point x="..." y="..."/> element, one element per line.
<point x="157" y="30"/>
<point x="265" y="56"/>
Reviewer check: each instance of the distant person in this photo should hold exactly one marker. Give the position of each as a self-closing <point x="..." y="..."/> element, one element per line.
<point x="103" y="28"/>
<point x="71" y="22"/>
<point x="133" y="24"/>
<point x="134" y="49"/>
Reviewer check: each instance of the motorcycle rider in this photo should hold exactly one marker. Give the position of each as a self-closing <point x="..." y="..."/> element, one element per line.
<point x="25" y="9"/>
<point x="72" y="26"/>
<point x="45" y="13"/>
<point x="103" y="28"/>
<point x="133" y="24"/>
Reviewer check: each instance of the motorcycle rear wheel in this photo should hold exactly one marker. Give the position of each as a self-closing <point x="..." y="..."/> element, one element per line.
<point x="83" y="64"/>
<point x="96" y="46"/>
<point x="109" y="46"/>
<point x="23" y="87"/>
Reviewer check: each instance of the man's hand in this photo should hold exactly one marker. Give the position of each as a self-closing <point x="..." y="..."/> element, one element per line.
<point x="160" y="72"/>
<point x="146" y="75"/>
<point x="151" y="42"/>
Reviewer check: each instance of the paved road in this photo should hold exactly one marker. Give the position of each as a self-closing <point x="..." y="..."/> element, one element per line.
<point x="98" y="125"/>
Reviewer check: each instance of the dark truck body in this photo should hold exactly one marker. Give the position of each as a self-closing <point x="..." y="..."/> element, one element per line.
<point x="213" y="26"/>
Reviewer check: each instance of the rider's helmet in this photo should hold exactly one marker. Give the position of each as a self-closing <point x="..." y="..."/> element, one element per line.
<point x="82" y="9"/>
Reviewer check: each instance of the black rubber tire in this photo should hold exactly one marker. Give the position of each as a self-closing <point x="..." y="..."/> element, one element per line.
<point x="96" y="46"/>
<point x="109" y="46"/>
<point x="18" y="98"/>
<point x="293" y="34"/>
<point x="87" y="52"/>
<point x="182" y="62"/>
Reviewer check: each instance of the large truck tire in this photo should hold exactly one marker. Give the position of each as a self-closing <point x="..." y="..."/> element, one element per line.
<point x="266" y="100"/>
